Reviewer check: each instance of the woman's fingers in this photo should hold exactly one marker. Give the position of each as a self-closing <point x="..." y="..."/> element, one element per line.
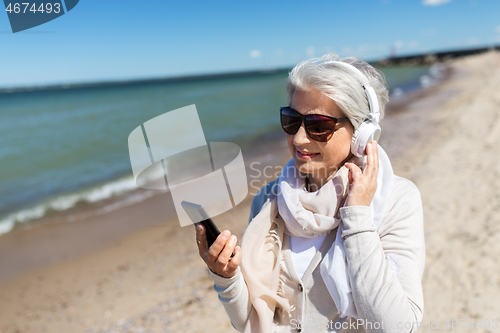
<point x="225" y="254"/>
<point x="372" y="159"/>
<point x="354" y="172"/>
<point x="218" y="255"/>
<point x="201" y="240"/>
<point x="363" y="184"/>
<point x="369" y="153"/>
<point x="235" y="261"/>
<point x="216" y="248"/>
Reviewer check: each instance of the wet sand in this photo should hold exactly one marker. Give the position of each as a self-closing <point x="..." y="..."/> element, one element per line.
<point x="133" y="270"/>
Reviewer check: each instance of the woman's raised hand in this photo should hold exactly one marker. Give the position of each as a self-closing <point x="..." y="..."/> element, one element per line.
<point x="363" y="184"/>
<point x="218" y="256"/>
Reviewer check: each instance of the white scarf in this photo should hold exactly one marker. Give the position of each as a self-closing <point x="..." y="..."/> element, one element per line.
<point x="310" y="214"/>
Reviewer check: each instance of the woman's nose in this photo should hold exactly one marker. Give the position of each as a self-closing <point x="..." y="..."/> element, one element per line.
<point x="301" y="137"/>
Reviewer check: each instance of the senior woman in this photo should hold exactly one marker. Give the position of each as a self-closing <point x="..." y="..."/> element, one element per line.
<point x="336" y="242"/>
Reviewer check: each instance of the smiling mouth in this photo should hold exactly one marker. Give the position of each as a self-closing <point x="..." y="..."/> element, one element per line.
<point x="306" y="155"/>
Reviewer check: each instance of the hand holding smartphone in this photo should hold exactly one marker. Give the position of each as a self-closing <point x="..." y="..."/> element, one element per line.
<point x="219" y="260"/>
<point x="198" y="215"/>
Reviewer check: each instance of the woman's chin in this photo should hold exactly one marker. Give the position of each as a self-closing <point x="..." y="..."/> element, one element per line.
<point x="307" y="168"/>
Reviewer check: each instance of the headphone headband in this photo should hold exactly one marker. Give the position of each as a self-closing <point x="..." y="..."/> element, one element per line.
<point x="369" y="129"/>
<point x="369" y="91"/>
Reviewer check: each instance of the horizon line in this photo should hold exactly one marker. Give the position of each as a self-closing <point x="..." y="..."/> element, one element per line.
<point x="427" y="57"/>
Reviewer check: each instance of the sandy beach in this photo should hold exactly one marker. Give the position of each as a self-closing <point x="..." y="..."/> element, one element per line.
<point x="148" y="277"/>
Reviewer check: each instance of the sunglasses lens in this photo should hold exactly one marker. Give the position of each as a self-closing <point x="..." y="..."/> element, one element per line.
<point x="319" y="128"/>
<point x="290" y="121"/>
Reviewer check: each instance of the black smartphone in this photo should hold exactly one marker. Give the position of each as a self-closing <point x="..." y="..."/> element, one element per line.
<point x="198" y="215"/>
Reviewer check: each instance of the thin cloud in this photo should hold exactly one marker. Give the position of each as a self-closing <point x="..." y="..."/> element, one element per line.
<point x="434" y="2"/>
<point x="472" y="41"/>
<point x="406" y="45"/>
<point x="347" y="50"/>
<point x="279" y="52"/>
<point x="497" y="29"/>
<point x="412" y="44"/>
<point x="428" y="32"/>
<point x="255" y="54"/>
<point x="362" y="49"/>
<point x="399" y="44"/>
<point x="328" y="49"/>
<point x="310" y="51"/>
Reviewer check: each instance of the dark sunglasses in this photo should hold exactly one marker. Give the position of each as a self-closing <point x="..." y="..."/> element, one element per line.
<point x="318" y="127"/>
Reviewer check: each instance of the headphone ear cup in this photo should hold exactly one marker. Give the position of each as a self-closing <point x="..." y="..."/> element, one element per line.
<point x="364" y="134"/>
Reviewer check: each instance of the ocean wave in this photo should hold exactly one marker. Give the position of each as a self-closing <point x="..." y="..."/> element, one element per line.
<point x="433" y="76"/>
<point x="437" y="72"/>
<point x="64" y="202"/>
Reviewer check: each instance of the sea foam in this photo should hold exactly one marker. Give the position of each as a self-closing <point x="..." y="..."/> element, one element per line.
<point x="102" y="192"/>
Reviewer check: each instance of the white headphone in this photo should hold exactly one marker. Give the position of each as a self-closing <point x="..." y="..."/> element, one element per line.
<point x="368" y="130"/>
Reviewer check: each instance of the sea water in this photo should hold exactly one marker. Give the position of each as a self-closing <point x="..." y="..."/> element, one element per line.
<point x="67" y="146"/>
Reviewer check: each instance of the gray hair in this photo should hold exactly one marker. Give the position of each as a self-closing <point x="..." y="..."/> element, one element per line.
<point x="340" y="83"/>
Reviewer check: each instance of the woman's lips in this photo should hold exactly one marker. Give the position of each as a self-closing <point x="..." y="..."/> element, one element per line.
<point x="305" y="155"/>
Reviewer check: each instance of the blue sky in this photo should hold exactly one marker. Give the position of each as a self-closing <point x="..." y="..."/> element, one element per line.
<point x="120" y="40"/>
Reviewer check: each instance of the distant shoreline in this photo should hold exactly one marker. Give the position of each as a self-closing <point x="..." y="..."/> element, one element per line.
<point x="144" y="81"/>
<point x="417" y="59"/>
<point x="433" y="57"/>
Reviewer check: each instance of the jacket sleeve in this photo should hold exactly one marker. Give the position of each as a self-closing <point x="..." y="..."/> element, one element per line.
<point x="233" y="292"/>
<point x="386" y="267"/>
